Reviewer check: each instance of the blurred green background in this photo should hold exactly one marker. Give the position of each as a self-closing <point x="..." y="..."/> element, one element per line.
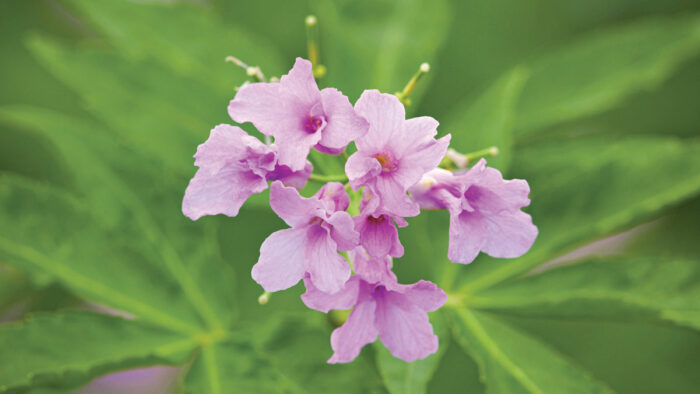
<point x="103" y="103"/>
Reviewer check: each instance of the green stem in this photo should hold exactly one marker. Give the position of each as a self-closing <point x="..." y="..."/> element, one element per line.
<point x="328" y="178"/>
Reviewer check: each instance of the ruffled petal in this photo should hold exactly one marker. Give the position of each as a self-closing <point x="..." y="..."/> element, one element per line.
<point x="393" y="198"/>
<point x="221" y="192"/>
<point x="360" y="169"/>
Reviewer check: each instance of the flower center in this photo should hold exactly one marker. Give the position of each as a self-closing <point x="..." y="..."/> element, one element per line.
<point x="312" y="124"/>
<point x="387" y="161"/>
<point x="376" y="220"/>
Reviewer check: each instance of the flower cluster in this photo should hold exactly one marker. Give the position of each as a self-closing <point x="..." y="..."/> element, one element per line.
<point x="345" y="261"/>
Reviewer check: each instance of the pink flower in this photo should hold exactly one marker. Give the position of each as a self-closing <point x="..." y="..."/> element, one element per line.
<point x="395" y="312"/>
<point x="298" y="115"/>
<point x="394" y="154"/>
<point x="320" y="228"/>
<point x="484" y="210"/>
<point x="378" y="233"/>
<point x="233" y="166"/>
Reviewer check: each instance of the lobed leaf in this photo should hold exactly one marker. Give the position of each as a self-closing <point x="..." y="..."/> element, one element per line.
<point x="66" y="349"/>
<point x="489" y="120"/>
<point x="510" y="361"/>
<point x="616" y="288"/>
<point x="598" y="72"/>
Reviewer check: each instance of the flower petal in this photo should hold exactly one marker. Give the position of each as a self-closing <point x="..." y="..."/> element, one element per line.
<point x="404" y="327"/>
<point x="301" y="83"/>
<point x="378" y="235"/>
<point x="393" y="198"/>
<point x="343" y="231"/>
<point x="343" y="124"/>
<point x="221" y="192"/>
<point x="344" y="299"/>
<point x="295" y="179"/>
<point x="348" y="340"/>
<point x="385" y="115"/>
<point x="361" y="168"/>
<point x="281" y="262"/>
<point x="327" y="269"/>
<point x="294" y="209"/>
<point x="426" y="295"/>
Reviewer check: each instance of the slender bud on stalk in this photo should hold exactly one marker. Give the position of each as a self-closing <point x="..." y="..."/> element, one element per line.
<point x="408" y="89"/>
<point x="319" y="70"/>
<point x="454" y="160"/>
<point x="253" y="72"/>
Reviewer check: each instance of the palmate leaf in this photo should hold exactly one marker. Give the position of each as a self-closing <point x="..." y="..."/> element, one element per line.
<point x="68" y="348"/>
<point x="131" y="195"/>
<point x="46" y="230"/>
<point x="598" y="72"/>
<point x="512" y="362"/>
<point x="616" y="288"/>
<point x="379" y="44"/>
<point x="128" y="25"/>
<point x="597" y="188"/>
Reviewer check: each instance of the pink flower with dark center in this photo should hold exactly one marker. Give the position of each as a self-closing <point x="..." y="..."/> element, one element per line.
<point x="394" y="154"/>
<point x="485" y="211"/>
<point x="320" y="228"/>
<point x="298" y="115"/>
<point x="397" y="313"/>
<point x="232" y="166"/>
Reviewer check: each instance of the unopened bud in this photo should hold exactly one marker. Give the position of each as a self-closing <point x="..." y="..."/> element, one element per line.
<point x="264" y="298"/>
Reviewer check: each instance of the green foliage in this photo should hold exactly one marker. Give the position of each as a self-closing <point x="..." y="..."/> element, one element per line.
<point x="72" y="347"/>
<point x="91" y="196"/>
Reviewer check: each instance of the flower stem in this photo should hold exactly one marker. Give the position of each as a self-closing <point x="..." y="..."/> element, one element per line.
<point x="319" y="70"/>
<point x="328" y="178"/>
<point x="408" y="89"/>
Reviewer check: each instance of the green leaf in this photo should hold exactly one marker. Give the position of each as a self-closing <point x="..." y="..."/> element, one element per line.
<point x="130" y="194"/>
<point x="70" y="348"/>
<point x="13" y="287"/>
<point x="401" y="377"/>
<point x="597" y="72"/>
<point x="510" y="361"/>
<point x="613" y="288"/>
<point x="588" y="187"/>
<point x="489" y="120"/>
<point x="136" y="100"/>
<point x="372" y="44"/>
<point x="129" y="26"/>
<point x="45" y="230"/>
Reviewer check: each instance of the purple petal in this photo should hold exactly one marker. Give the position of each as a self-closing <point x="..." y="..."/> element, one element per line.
<point x="421" y="159"/>
<point x="301" y="83"/>
<point x="230" y="144"/>
<point x="334" y="194"/>
<point x="343" y="231"/>
<point x="281" y="110"/>
<point x="378" y="235"/>
<point x="327" y="269"/>
<point x="343" y="124"/>
<point x="281" y="262"/>
<point x="385" y="115"/>
<point x="416" y="132"/>
<point x="294" y="209"/>
<point x="344" y="299"/>
<point x="373" y="270"/>
<point x="359" y="330"/>
<point x="426" y="295"/>
<point x="404" y="327"/>
<point x="433" y="190"/>
<point x="393" y="198"/>
<point x="361" y="168"/>
<point x="505" y="234"/>
<point x="295" y="179"/>
<point x="222" y="192"/>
